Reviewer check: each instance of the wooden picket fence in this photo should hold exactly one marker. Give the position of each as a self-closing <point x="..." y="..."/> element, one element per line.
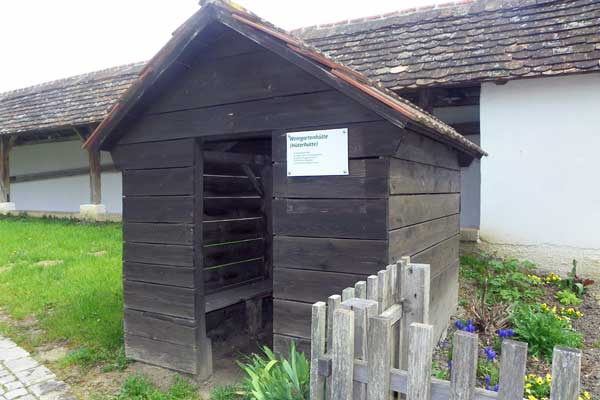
<point x="374" y="340"/>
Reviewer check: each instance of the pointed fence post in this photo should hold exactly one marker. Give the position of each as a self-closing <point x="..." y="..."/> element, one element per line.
<point x="513" y="361"/>
<point x="317" y="349"/>
<point x="342" y="356"/>
<point x="420" y="354"/>
<point x="566" y="369"/>
<point x="464" y="366"/>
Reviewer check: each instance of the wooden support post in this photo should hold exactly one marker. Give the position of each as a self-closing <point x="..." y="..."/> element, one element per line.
<point x="513" y="362"/>
<point x="420" y="353"/>
<point x="254" y="316"/>
<point x="414" y="290"/>
<point x="360" y="289"/>
<point x="333" y="303"/>
<point x="342" y="356"/>
<point x="204" y="363"/>
<point x="317" y="350"/>
<point x="372" y="283"/>
<point x="566" y="369"/>
<point x="464" y="366"/>
<point x="95" y="177"/>
<point x="6" y="144"/>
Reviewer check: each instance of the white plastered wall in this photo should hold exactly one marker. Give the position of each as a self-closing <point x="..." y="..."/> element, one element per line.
<point x="59" y="194"/>
<point x="540" y="191"/>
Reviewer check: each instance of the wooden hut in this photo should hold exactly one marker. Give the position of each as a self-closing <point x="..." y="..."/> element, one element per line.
<point x="214" y="217"/>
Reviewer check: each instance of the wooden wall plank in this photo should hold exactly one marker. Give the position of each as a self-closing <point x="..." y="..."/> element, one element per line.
<point x="335" y="218"/>
<point x="160" y="274"/>
<point x="291" y="318"/>
<point x="314" y="109"/>
<point x="223" y="208"/>
<point x="365" y="139"/>
<point x="159" y="327"/>
<point x="412" y="209"/>
<point x="160" y="299"/>
<point x="175" y="209"/>
<point x="407" y="177"/>
<point x="330" y="255"/>
<point x="310" y="286"/>
<point x="416" y="238"/>
<point x="282" y="344"/>
<point x="438" y="256"/>
<point x="219" y="186"/>
<point x="244" y="77"/>
<point x="163" y="354"/>
<point x="217" y="278"/>
<point x="158" y="233"/>
<point x="443" y="298"/>
<point x="162" y="182"/>
<point x="167" y="154"/>
<point x="233" y="252"/>
<point x="170" y="255"/>
<point x="367" y="179"/>
<point x="232" y="230"/>
<point x="419" y="148"/>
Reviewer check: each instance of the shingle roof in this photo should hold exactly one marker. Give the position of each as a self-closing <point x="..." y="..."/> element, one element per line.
<point x="77" y="100"/>
<point x="467" y="41"/>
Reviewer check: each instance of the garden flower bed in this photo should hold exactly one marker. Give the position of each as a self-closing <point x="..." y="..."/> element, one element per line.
<point x="502" y="299"/>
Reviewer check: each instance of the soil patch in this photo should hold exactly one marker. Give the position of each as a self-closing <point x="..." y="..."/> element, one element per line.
<point x="48" y="263"/>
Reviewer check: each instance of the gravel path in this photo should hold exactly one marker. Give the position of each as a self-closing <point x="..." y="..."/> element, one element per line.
<point x="23" y="378"/>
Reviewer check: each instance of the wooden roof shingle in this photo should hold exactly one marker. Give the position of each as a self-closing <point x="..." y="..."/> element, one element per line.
<point x="463" y="42"/>
<point x="69" y="102"/>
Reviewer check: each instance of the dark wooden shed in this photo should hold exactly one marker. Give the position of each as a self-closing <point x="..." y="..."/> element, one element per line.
<point x="211" y="218"/>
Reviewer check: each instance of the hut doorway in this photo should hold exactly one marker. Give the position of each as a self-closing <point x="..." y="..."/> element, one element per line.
<point x="237" y="236"/>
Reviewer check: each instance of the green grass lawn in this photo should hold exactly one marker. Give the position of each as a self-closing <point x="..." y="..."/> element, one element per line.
<point x="67" y="275"/>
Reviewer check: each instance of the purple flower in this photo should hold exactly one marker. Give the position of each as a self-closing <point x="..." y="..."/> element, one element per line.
<point x="510" y="332"/>
<point x="496" y="387"/>
<point x="459" y="325"/>
<point x="488" y="387"/>
<point x="505" y="333"/>
<point x="490" y="353"/>
<point x="488" y="379"/>
<point x="449" y="364"/>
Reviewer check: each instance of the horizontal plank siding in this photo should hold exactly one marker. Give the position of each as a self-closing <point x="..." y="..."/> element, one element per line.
<point x="407" y="210"/>
<point x="339" y="218"/>
<point x="171" y="255"/>
<point x="160" y="299"/>
<point x="220" y="277"/>
<point x="366" y="179"/>
<point x="366" y="139"/>
<point x="220" y="186"/>
<point x="225" y="208"/>
<point x="158" y="233"/>
<point x="419" y="148"/>
<point x="408" y="177"/>
<point x="291" y="318"/>
<point x="310" y="286"/>
<point x="244" y="77"/>
<point x="159" y="327"/>
<point x="283" y="344"/>
<point x="233" y="252"/>
<point x="176" y="209"/>
<point x="416" y="238"/>
<point x="438" y="256"/>
<point x="232" y="230"/>
<point x="288" y="112"/>
<point x="330" y="255"/>
<point x="161" y="182"/>
<point x="164" y="154"/>
<point x="443" y="300"/>
<point x="160" y="274"/>
<point x="164" y="354"/>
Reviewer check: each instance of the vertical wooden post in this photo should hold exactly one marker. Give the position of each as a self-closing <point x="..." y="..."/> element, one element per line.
<point x="380" y="358"/>
<point x="333" y="302"/>
<point x="566" y="368"/>
<point x="6" y="143"/>
<point x="420" y="353"/>
<point x="372" y="282"/>
<point x="254" y="316"/>
<point x="204" y="365"/>
<point x="415" y="306"/>
<point x="464" y="366"/>
<point x="360" y="289"/>
<point x="317" y="349"/>
<point x="95" y="177"/>
<point x="342" y="357"/>
<point x="348" y="293"/>
<point x="513" y="362"/>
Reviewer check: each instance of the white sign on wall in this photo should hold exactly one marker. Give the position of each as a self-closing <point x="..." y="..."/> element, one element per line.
<point x="314" y="153"/>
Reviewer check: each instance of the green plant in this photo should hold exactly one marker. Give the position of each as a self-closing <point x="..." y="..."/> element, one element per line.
<point x="543" y="330"/>
<point x="568" y="298"/>
<point x="437" y="371"/>
<point x="488" y="371"/>
<point x="228" y="392"/>
<point x="574" y="283"/>
<point x="537" y="387"/>
<point x="139" y="388"/>
<point x="272" y="378"/>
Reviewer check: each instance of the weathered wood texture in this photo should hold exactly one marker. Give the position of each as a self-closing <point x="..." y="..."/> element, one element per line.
<point x="6" y="143"/>
<point x="95" y="177"/>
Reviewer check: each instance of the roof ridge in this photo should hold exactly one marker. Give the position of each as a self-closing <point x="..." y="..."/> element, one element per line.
<point x="473" y="5"/>
<point x="94" y="75"/>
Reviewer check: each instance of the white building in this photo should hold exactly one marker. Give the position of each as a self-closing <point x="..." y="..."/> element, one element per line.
<point x="521" y="78"/>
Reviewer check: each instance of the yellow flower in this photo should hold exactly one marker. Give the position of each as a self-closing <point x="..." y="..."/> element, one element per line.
<point x="532" y="397"/>
<point x="586" y="394"/>
<point x="527" y="385"/>
<point x="539" y="381"/>
<point x="548" y="378"/>
<point x="570" y="310"/>
<point x="554" y="309"/>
